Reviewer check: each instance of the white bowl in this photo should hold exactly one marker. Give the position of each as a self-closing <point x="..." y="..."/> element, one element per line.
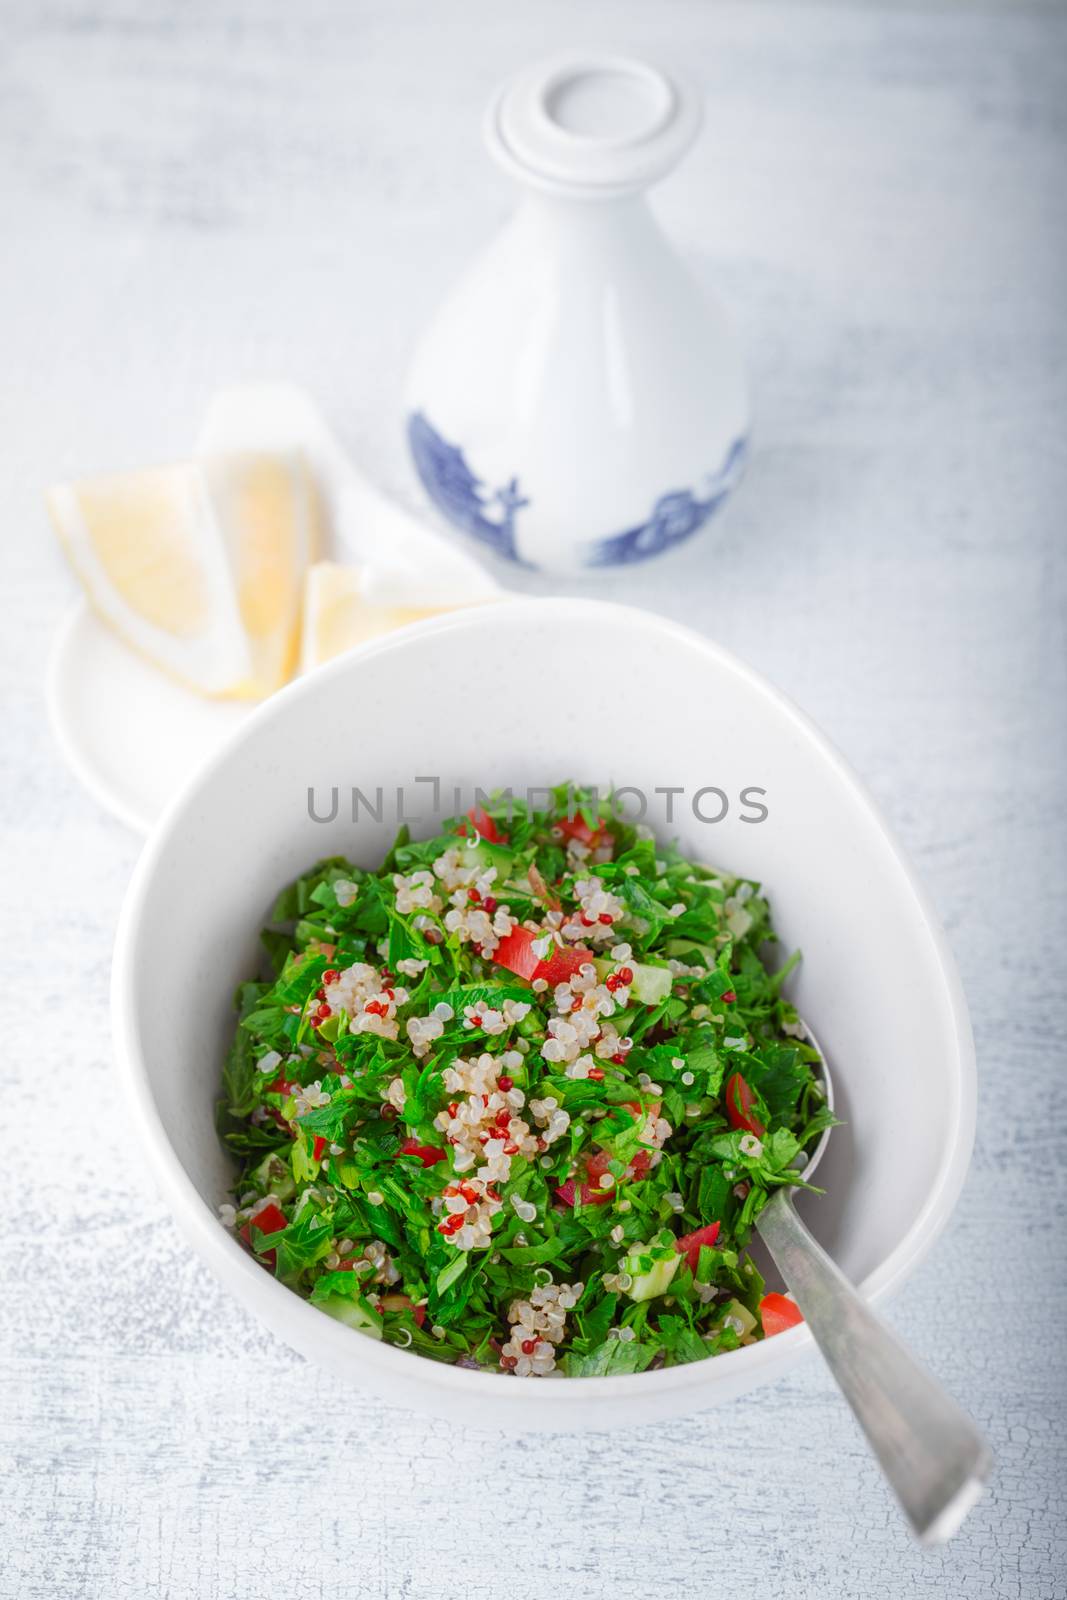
<point x="523" y="694"/>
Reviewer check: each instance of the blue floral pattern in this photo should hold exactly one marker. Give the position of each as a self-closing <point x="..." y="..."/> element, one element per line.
<point x="461" y="496"/>
<point x="676" y="516"/>
<point x="489" y="514"/>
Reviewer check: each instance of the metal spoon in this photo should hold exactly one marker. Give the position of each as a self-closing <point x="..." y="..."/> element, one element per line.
<point x="933" y="1457"/>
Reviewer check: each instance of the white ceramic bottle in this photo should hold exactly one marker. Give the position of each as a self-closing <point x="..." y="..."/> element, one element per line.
<point x="579" y="401"/>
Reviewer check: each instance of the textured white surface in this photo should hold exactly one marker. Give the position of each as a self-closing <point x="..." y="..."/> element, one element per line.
<point x="232" y="191"/>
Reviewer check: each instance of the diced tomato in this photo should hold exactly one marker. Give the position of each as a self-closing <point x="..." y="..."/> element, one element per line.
<point x="596" y="1167"/>
<point x="562" y="964"/>
<point x="280" y="1085"/>
<point x="428" y="1154"/>
<point x="689" y="1244"/>
<point x="577" y="828"/>
<point x="402" y="1302"/>
<point x="648" y="1108"/>
<point x="739" y="1103"/>
<point x="485" y="826"/>
<point x="641" y="1161"/>
<point x="517" y="954"/>
<point x="271" y="1219"/>
<point x="318" y="1145"/>
<point x="268" y="1219"/>
<point x="591" y="1196"/>
<point x="777" y="1313"/>
<point x="567" y="1194"/>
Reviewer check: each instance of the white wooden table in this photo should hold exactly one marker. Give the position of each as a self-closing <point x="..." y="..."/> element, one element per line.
<point x="199" y="194"/>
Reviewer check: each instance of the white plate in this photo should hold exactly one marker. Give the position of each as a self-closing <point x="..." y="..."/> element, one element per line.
<point x="129" y="734"/>
<point x="133" y="737"/>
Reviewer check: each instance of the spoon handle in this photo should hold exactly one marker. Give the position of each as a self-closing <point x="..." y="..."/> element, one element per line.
<point x="933" y="1456"/>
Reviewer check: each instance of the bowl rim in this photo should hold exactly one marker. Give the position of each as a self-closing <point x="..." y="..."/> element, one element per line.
<point x="367" y="1359"/>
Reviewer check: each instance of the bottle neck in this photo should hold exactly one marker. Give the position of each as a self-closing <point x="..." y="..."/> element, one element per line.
<point x="595" y="222"/>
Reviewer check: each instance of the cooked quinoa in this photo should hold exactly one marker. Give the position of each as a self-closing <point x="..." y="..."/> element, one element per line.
<point x="515" y="1099"/>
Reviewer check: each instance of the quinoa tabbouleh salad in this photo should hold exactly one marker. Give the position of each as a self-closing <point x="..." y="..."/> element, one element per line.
<point x="514" y="1100"/>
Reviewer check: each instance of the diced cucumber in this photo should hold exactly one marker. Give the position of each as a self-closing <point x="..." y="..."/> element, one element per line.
<point x="655" y="1279"/>
<point x="650" y="985"/>
<point x="485" y="855"/>
<point x="348" y="1171"/>
<point x="331" y="1028"/>
<point x="741" y="1319"/>
<point x="351" y="1313"/>
<point x="275" y="1176"/>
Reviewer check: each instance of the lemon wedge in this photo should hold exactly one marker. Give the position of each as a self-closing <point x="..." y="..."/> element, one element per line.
<point x="200" y="566"/>
<point x="338" y="616"/>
